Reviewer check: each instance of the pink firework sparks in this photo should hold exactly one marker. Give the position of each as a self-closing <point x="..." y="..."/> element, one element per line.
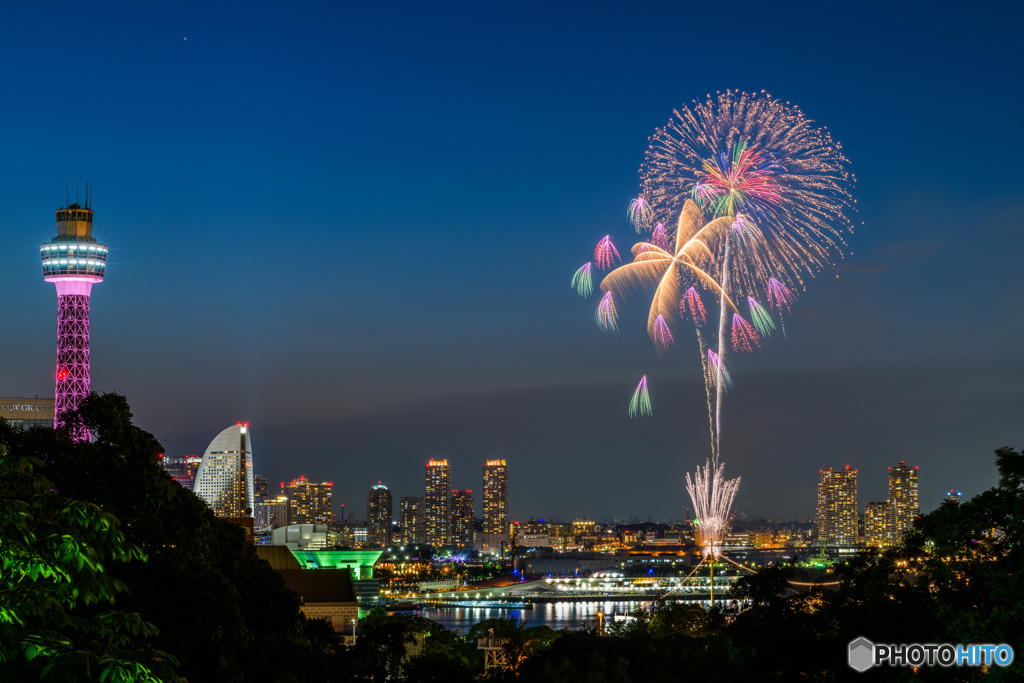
<point x="640" y="213"/>
<point x="659" y="237"/>
<point x="691" y="303"/>
<point x="605" y="254"/>
<point x="744" y="336"/>
<point x="741" y="225"/>
<point x="779" y="295"/>
<point x="662" y="334"/>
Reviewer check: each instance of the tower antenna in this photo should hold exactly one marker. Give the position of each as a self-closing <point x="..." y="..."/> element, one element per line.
<point x="67" y="194"/>
<point x="76" y="193"/>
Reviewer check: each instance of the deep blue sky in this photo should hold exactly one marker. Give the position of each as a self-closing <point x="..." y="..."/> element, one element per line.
<point x="354" y="226"/>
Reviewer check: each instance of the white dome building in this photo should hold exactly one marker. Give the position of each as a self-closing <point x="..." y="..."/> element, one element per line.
<point x="224" y="479"/>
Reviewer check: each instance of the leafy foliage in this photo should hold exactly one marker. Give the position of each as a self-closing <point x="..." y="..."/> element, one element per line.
<point x="55" y="588"/>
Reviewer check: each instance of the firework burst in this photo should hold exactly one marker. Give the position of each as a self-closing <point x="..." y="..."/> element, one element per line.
<point x="744" y="338"/>
<point x="606" y="316"/>
<point x="691" y="303"/>
<point x="640" y="214"/>
<point x="742" y="154"/>
<point x="641" y="403"/>
<point x="762" y="319"/>
<point x="605" y="254"/>
<point x="712" y="495"/>
<point x="582" y="282"/>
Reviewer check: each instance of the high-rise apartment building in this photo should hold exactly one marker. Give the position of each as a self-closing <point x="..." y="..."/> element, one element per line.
<point x="878" y="524"/>
<point x="837" y="507"/>
<point x="495" y="503"/>
<point x="182" y="468"/>
<point x="262" y="487"/>
<point x="378" y="516"/>
<point x="414" y="530"/>
<point x="309" y="503"/>
<point x="462" y="519"/>
<point x="903" y="498"/>
<point x="437" y="503"/>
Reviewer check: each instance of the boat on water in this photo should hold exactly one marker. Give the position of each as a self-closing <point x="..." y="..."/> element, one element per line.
<point x="474" y="604"/>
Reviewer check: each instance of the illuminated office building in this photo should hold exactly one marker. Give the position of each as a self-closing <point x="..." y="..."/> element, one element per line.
<point x="462" y="519"/>
<point x="378" y="516"/>
<point x="414" y="530"/>
<point x="224" y="479"/>
<point x="837" y="507"/>
<point x="495" y="502"/>
<point x="25" y="413"/>
<point x="437" y="503"/>
<point x="878" y="524"/>
<point x="272" y="512"/>
<point x="182" y="468"/>
<point x="903" y="498"/>
<point x="310" y="503"/>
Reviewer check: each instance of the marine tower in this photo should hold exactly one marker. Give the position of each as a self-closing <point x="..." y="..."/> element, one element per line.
<point x="74" y="261"/>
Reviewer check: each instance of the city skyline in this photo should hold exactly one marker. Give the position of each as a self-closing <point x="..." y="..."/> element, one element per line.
<point x="503" y="166"/>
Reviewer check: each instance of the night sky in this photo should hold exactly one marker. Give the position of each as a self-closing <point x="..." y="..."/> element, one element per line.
<point x="354" y="226"/>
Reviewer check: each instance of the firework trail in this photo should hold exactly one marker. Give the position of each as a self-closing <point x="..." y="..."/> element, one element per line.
<point x="691" y="303"/>
<point x="762" y="319"/>
<point x="663" y="335"/>
<point x="640" y="214"/>
<point x="659" y="237"/>
<point x="641" y="402"/>
<point x="606" y="316"/>
<point x="712" y="495"/>
<point x="581" y="281"/>
<point x="744" y="338"/>
<point x="606" y="254"/>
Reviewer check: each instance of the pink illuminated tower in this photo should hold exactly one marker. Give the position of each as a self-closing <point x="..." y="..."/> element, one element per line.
<point x="74" y="262"/>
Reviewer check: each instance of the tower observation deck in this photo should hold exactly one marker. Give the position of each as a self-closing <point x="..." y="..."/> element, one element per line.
<point x="74" y="261"/>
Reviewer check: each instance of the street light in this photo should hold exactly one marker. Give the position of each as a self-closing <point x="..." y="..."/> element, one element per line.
<point x="600" y="623"/>
<point x="355" y="623"/>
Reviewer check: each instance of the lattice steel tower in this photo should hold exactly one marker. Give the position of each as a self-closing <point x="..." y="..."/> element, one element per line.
<point x="74" y="261"/>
